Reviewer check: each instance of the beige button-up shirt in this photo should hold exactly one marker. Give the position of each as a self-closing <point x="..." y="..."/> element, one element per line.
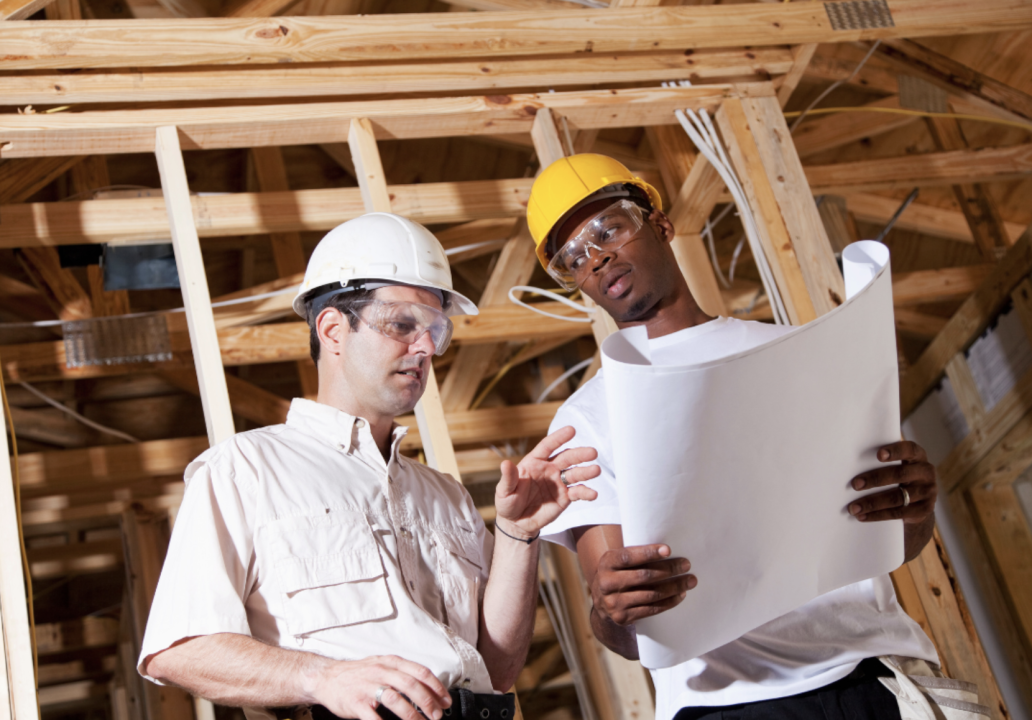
<point x="301" y="535"/>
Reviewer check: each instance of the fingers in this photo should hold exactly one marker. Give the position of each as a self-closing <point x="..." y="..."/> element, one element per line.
<point x="918" y="473"/>
<point x="888" y="505"/>
<point x="904" y="450"/>
<point x="581" y="492"/>
<point x="638" y="605"/>
<point x="509" y="480"/>
<point x="419" y="694"/>
<point x="630" y="557"/>
<point x="574" y="456"/>
<point x="615" y="581"/>
<point x="544" y="449"/>
<point x="581" y="474"/>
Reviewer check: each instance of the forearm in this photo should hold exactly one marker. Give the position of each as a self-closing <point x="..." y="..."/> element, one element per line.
<point x="916" y="536"/>
<point x="507" y="617"/>
<point x="238" y="671"/>
<point x="619" y="638"/>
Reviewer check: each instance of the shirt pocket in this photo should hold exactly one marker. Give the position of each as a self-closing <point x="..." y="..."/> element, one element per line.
<point x="461" y="570"/>
<point x="329" y="570"/>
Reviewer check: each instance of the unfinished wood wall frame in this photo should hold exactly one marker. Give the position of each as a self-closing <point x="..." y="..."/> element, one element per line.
<point x="749" y="114"/>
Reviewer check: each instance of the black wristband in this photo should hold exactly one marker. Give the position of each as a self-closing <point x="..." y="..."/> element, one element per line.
<point x="499" y="529"/>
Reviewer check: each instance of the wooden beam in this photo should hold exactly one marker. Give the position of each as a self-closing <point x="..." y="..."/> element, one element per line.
<point x="921" y="218"/>
<point x="931" y="286"/>
<point x="246" y="399"/>
<point x="345" y="79"/>
<point x="21" y="179"/>
<point x="59" y="286"/>
<point x="287" y="252"/>
<point x="801" y="56"/>
<point x="256" y="8"/>
<point x="194" y="284"/>
<point x="980" y="211"/>
<point x="11" y="10"/>
<point x="958" y="79"/>
<point x="371" y="37"/>
<point x="924" y="170"/>
<point x="16" y="663"/>
<point x="108" y="132"/>
<point x="744" y="154"/>
<point x="142" y="219"/>
<point x="972" y="317"/>
<point x="917" y="324"/>
<point x="75" y="559"/>
<point x="49" y="426"/>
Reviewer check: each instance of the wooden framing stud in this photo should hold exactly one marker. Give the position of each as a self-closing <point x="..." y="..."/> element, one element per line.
<point x="211" y="377"/>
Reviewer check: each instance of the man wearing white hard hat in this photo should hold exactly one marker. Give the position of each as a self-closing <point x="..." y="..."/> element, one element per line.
<point x="314" y="571"/>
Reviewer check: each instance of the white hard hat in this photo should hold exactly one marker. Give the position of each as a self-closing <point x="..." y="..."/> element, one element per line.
<point x="387" y="249"/>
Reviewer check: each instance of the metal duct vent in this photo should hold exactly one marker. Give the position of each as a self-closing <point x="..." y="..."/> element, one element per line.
<point x="116" y="341"/>
<point x="859" y="15"/>
<point x="918" y="94"/>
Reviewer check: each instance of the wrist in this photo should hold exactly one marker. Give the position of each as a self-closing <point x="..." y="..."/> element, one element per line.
<point x="310" y="677"/>
<point x="513" y="531"/>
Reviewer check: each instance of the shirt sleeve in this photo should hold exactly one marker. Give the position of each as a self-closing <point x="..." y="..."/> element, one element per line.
<point x="209" y="568"/>
<point x="586" y="412"/>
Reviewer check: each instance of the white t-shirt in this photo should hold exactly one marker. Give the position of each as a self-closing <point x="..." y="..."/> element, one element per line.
<point x="808" y="648"/>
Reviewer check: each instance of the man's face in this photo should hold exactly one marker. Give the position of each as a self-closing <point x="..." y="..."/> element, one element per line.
<point x="629" y="282"/>
<point x="387" y="376"/>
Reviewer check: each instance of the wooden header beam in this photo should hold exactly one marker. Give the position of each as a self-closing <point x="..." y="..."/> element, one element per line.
<point x="111" y="132"/>
<point x="283" y="81"/>
<point x="370" y="38"/>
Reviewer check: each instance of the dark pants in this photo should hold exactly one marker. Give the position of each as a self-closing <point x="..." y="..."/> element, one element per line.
<point x="465" y="706"/>
<point x="858" y="696"/>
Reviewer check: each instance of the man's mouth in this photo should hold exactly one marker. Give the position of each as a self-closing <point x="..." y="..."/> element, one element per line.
<point x="415" y="373"/>
<point x="616" y="282"/>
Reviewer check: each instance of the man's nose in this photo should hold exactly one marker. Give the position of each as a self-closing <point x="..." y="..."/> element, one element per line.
<point x="423" y="344"/>
<point x="600" y="258"/>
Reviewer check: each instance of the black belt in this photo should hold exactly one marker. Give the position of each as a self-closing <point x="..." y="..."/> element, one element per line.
<point x="465" y="705"/>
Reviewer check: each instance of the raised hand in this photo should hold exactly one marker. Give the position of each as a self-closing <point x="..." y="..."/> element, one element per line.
<point x="533" y="494"/>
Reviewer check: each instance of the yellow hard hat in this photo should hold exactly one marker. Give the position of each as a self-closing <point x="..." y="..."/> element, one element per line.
<point x="563" y="185"/>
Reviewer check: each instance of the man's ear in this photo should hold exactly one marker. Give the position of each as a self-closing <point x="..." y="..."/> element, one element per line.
<point x="333" y="328"/>
<point x="664" y="228"/>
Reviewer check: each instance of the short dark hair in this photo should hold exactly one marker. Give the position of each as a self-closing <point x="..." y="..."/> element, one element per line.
<point x="347" y="303"/>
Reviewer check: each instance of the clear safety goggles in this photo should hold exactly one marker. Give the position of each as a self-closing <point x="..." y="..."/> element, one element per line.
<point x="406" y="322"/>
<point x="608" y="231"/>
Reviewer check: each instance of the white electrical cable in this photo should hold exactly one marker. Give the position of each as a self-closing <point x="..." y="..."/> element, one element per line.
<point x="221" y="303"/>
<point x="555" y="296"/>
<point x="734" y="258"/>
<point x="84" y="420"/>
<point x="712" y="150"/>
<point x="555" y="383"/>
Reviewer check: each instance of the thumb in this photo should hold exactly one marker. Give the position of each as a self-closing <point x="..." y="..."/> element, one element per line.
<point x="509" y="481"/>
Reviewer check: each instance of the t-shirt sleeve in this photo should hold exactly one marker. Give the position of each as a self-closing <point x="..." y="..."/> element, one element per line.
<point x="586" y="412"/>
<point x="209" y="569"/>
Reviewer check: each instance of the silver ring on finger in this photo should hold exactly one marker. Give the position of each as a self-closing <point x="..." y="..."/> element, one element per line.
<point x="906" y="495"/>
<point x="562" y="477"/>
<point x="379" y="694"/>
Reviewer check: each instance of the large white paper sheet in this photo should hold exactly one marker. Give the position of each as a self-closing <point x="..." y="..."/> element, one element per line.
<point x="742" y="464"/>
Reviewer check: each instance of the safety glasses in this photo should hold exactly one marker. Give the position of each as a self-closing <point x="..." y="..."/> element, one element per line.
<point x="608" y="231"/>
<point x="406" y="322"/>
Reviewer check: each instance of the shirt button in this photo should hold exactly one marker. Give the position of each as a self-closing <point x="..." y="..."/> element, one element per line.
<point x="466" y="683"/>
<point x="412" y="584"/>
<point x="360" y="423"/>
<point x="405" y="532"/>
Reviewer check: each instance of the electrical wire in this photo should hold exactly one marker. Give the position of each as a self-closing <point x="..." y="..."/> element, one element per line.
<point x="84" y="420"/>
<point x="1027" y="127"/>
<point x="555" y="383"/>
<point x="833" y="86"/>
<point x="555" y="296"/>
<point x="703" y="134"/>
<point x="16" y="478"/>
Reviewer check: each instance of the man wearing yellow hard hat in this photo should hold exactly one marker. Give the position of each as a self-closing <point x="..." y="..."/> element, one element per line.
<point x="599" y="228"/>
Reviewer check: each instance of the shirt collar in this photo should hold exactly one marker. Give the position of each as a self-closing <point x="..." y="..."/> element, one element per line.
<point x="334" y="426"/>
